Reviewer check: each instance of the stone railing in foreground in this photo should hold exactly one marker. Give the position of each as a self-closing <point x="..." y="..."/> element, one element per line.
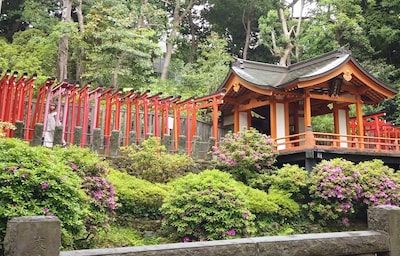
<point x="382" y="239"/>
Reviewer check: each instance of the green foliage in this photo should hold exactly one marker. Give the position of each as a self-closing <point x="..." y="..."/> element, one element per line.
<point x="293" y="180"/>
<point x="206" y="206"/>
<point x="33" y="181"/>
<point x="137" y="198"/>
<point x="341" y="191"/>
<point x="118" y="237"/>
<point x="323" y="123"/>
<point x="149" y="161"/>
<point x="245" y="154"/>
<point x="117" y="49"/>
<point x="209" y="70"/>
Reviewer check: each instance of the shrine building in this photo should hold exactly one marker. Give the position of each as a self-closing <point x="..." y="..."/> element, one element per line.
<point x="282" y="101"/>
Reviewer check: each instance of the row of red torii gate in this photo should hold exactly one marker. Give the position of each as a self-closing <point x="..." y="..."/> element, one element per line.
<point x="109" y="109"/>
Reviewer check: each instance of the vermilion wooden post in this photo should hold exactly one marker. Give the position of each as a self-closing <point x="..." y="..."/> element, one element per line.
<point x="94" y="96"/>
<point x="29" y="127"/>
<point x="127" y="101"/>
<point x="96" y="114"/>
<point x="194" y="123"/>
<point x="18" y="97"/>
<point x="215" y="121"/>
<point x="85" y="117"/>
<point x="177" y="126"/>
<point x="145" y="117"/>
<point x="137" y="118"/>
<point x="156" y="121"/>
<point x="21" y="101"/>
<point x="10" y="97"/>
<point x="117" y="102"/>
<point x="72" y="112"/>
<point x="107" y="121"/>
<point x="4" y="86"/>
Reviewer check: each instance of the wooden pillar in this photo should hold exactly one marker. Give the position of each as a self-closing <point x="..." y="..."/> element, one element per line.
<point x="215" y="121"/>
<point x="287" y="119"/>
<point x="236" y="121"/>
<point x="360" y="121"/>
<point x="307" y="109"/>
<point x="272" y="111"/>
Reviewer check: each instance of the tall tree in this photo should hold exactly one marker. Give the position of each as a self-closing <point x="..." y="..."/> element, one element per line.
<point x="281" y="28"/>
<point x="180" y="9"/>
<point x="118" y="49"/>
<point x="238" y="21"/>
<point x="63" y="45"/>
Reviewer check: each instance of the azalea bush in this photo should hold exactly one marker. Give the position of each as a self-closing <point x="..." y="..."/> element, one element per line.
<point x="93" y="172"/>
<point x="150" y="161"/>
<point x="341" y="191"/>
<point x="206" y="206"/>
<point x="33" y="181"/>
<point x="246" y="154"/>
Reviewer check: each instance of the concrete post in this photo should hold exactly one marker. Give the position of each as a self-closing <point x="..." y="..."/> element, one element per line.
<point x="181" y="144"/>
<point x="132" y="138"/>
<point x="58" y="135"/>
<point x="19" y="129"/>
<point x="77" y="135"/>
<point x="37" y="135"/>
<point x="97" y="142"/>
<point x="386" y="218"/>
<point x="196" y="147"/>
<point x="33" y="236"/>
<point x="166" y="141"/>
<point x="114" y="143"/>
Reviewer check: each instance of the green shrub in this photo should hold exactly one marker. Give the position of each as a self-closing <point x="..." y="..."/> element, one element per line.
<point x="33" y="181"/>
<point x="206" y="206"/>
<point x="118" y="236"/>
<point x="292" y="179"/>
<point x="137" y="198"/>
<point x="245" y="154"/>
<point x="149" y="161"/>
<point x="274" y="211"/>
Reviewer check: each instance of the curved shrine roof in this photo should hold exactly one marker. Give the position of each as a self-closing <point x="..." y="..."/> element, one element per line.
<point x="271" y="76"/>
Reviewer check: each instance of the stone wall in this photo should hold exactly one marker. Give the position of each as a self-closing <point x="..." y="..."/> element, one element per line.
<point x="382" y="240"/>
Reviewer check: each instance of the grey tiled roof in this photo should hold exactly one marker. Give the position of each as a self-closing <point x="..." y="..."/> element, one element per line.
<point x="273" y="76"/>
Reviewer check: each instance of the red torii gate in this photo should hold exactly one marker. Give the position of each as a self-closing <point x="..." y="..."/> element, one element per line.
<point x="16" y="96"/>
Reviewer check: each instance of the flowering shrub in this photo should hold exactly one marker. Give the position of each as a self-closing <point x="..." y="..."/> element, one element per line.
<point x="93" y="174"/>
<point x="246" y="154"/>
<point x="379" y="184"/>
<point x="206" y="206"/>
<point x="342" y="190"/>
<point x="33" y="181"/>
<point x="149" y="161"/>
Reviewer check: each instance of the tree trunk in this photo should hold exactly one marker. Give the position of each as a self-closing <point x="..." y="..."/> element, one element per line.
<point x="142" y="23"/>
<point x="63" y="45"/>
<point x="176" y="22"/>
<point x="247" y="28"/>
<point x="79" y="62"/>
